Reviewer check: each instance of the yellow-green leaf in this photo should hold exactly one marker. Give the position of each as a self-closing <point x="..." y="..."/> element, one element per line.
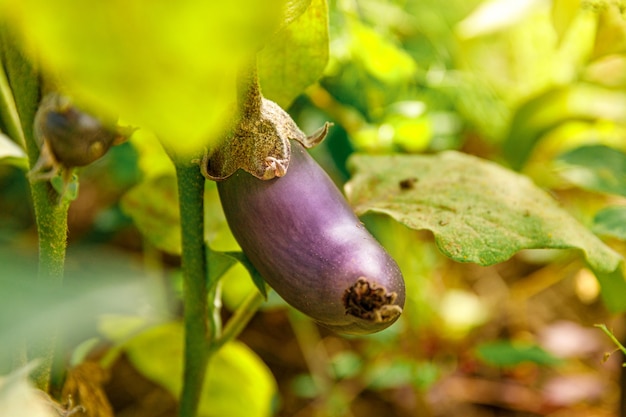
<point x="296" y="56"/>
<point x="478" y="211"/>
<point x="166" y="66"/>
<point x="238" y="383"/>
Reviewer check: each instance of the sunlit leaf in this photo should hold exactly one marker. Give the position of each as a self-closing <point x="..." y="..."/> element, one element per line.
<point x="611" y="221"/>
<point x="296" y="56"/>
<point x="507" y="354"/>
<point x="596" y="168"/>
<point x="611" y="36"/>
<point x="609" y="71"/>
<point x="293" y="10"/>
<point x="257" y="279"/>
<point x="11" y="153"/>
<point x="238" y="383"/>
<point x="166" y="66"/>
<point x="478" y="211"/>
<point x="153" y="206"/>
<point x="381" y="58"/>
<point x="540" y="114"/>
<point x="563" y="13"/>
<point x="494" y="15"/>
<point x="216" y="231"/>
<point x="18" y="106"/>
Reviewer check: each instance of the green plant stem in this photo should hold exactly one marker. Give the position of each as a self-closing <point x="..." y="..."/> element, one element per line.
<point x="52" y="234"/>
<point x="196" y="306"/>
<point x="611" y="336"/>
<point x="20" y="98"/>
<point x="240" y="319"/>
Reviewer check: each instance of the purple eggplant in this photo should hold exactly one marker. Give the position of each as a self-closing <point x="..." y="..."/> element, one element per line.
<point x="307" y="243"/>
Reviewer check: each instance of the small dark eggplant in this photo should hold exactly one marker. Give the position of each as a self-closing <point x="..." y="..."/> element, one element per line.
<point x="307" y="243"/>
<point x="69" y="137"/>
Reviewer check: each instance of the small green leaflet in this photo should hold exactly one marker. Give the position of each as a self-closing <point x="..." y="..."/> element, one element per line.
<point x="478" y="211"/>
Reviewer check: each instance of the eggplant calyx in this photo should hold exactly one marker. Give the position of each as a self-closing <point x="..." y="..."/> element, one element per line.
<point x="259" y="144"/>
<point x="371" y="302"/>
<point x="316" y="137"/>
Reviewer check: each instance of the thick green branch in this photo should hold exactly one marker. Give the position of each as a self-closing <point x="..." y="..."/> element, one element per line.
<point x="196" y="306"/>
<point x="19" y="103"/>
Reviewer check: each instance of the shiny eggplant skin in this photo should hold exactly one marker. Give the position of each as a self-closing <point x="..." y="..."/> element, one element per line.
<point x="307" y="243"/>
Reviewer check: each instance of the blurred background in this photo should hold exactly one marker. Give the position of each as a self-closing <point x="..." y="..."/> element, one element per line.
<point x="538" y="86"/>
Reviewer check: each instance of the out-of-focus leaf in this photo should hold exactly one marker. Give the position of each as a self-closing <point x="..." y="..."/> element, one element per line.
<point x="478" y="211"/>
<point x="11" y="153"/>
<point x="495" y="15"/>
<point x="293" y="10"/>
<point x="9" y="118"/>
<point x="406" y="123"/>
<point x="597" y="168"/>
<point x="540" y="114"/>
<point x="609" y="71"/>
<point x="258" y="280"/>
<point x="166" y="66"/>
<point x="19" y="398"/>
<point x="98" y="283"/>
<point x="563" y="13"/>
<point x="153" y="161"/>
<point x="296" y="56"/>
<point x="507" y="354"/>
<point x="461" y="311"/>
<point x="153" y="206"/>
<point x="238" y="383"/>
<point x="216" y="231"/>
<point x="613" y="286"/>
<point x="20" y="104"/>
<point x="611" y="35"/>
<point x="611" y="221"/>
<point x="381" y="58"/>
<point x="401" y="372"/>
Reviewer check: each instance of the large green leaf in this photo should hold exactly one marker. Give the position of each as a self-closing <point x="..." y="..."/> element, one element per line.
<point x="546" y="111"/>
<point x="166" y="66"/>
<point x="296" y="56"/>
<point x="478" y="211"/>
<point x="238" y="383"/>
